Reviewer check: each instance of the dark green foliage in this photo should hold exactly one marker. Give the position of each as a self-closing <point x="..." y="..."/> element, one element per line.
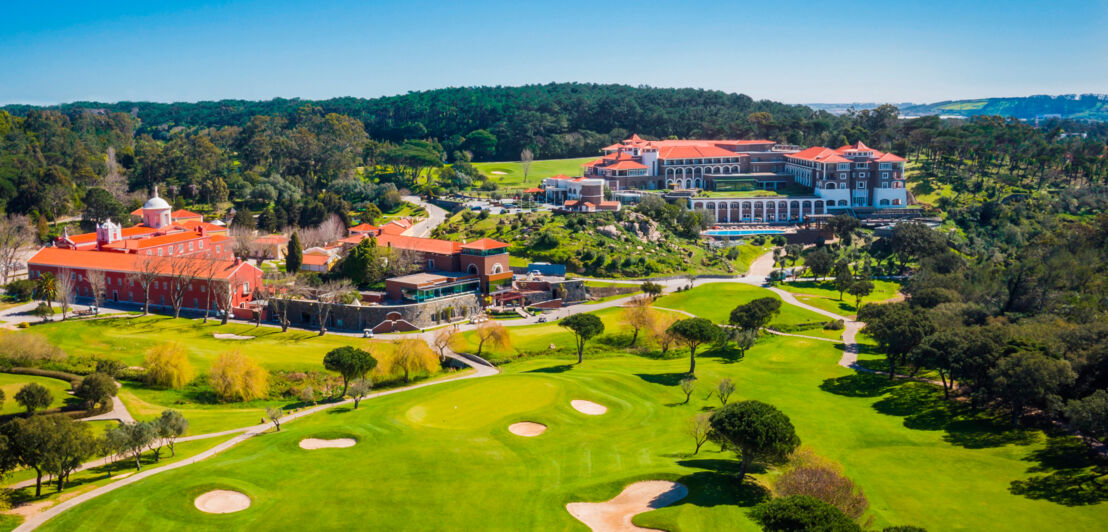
<point x="21" y="290"/>
<point x="584" y="327"/>
<point x="364" y="265"/>
<point x="350" y="362"/>
<point x="801" y="513"/>
<point x="1030" y="379"/>
<point x="756" y="431"/>
<point x="897" y="327"/>
<point x="294" y="258"/>
<point x="756" y="314"/>
<point x="693" y="332"/>
<point x="97" y="389"/>
<point x="34" y="396"/>
<point x="820" y="262"/>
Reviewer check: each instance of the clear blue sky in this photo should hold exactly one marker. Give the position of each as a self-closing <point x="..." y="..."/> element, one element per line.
<point x="790" y="51"/>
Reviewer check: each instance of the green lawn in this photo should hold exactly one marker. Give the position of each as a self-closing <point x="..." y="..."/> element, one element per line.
<point x="509" y="174"/>
<point x="11" y="383"/>
<point x="127" y="339"/>
<point x="824" y="295"/>
<point x="715" y="301"/>
<point x="442" y="457"/>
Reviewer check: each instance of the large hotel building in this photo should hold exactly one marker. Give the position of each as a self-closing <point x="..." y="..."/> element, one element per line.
<point x="849" y="177"/>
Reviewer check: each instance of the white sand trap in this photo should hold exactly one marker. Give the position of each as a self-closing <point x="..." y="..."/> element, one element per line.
<point x="228" y="336"/>
<point x="498" y="172"/>
<point x="589" y="407"/>
<point x="615" y="515"/>
<point x="316" y="443"/>
<point x="222" y="502"/>
<point x="527" y="429"/>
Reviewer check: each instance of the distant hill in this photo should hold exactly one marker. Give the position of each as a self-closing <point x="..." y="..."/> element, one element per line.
<point x="843" y="108"/>
<point x="1072" y="106"/>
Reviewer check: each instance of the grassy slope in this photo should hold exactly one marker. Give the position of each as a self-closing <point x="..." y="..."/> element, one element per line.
<point x="11" y="384"/>
<point x="716" y="300"/>
<point x="512" y="178"/>
<point x="424" y="449"/>
<point x="824" y="295"/>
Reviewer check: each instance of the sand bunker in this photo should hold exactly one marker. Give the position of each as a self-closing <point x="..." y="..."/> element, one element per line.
<point x="498" y="172"/>
<point x="527" y="429"/>
<point x="316" y="443"/>
<point x="222" y="502"/>
<point x="615" y="515"/>
<point x="588" y="407"/>
<point x="228" y="336"/>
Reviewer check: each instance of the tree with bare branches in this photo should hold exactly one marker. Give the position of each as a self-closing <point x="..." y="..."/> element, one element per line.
<point x="16" y="233"/>
<point x="698" y="427"/>
<point x="66" y="284"/>
<point x="494" y="334"/>
<point x="224" y="295"/>
<point x="245" y="242"/>
<point x="210" y="274"/>
<point x="442" y="341"/>
<point x="402" y="262"/>
<point x="279" y="290"/>
<point x="146" y="275"/>
<point x="327" y="295"/>
<point x="525" y="159"/>
<point x="182" y="272"/>
<point x="98" y="286"/>
<point x="639" y="316"/>
<point x="330" y="230"/>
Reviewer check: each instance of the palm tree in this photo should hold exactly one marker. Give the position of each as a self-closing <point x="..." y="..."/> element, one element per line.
<point x="48" y="288"/>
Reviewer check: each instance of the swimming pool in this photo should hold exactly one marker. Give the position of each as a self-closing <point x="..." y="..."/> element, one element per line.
<point x="743" y="232"/>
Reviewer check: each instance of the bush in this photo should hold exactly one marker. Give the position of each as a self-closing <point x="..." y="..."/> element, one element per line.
<point x="168" y="365"/>
<point x="834" y="325"/>
<point x="73" y="379"/>
<point x="801" y="513"/>
<point x="21" y="290"/>
<point x="825" y="484"/>
<point x="236" y="377"/>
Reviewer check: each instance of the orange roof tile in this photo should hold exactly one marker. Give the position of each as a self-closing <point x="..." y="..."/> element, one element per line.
<point x="143" y="243"/>
<point x="485" y="244"/>
<point x="316" y="259"/>
<point x="126" y="232"/>
<point x="119" y="262"/>
<point x="425" y="245"/>
<point x="819" y="154"/>
<point x="182" y="213"/>
<point x="626" y="165"/>
<point x="363" y="228"/>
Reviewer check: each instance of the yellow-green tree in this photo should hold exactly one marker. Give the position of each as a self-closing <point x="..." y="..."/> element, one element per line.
<point x="168" y="365"/>
<point x="236" y="377"/>
<point x="413" y="356"/>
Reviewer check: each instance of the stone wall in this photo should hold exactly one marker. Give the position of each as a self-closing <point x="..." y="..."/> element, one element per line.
<point x="358" y="318"/>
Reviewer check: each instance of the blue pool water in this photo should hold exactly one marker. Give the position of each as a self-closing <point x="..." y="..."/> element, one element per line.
<point x="741" y="232"/>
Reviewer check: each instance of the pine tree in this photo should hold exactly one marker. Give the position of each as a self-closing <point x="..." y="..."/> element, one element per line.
<point x="295" y="256"/>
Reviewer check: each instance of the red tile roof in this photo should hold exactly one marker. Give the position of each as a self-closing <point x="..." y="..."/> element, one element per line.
<point x="363" y="228"/>
<point x="819" y="154"/>
<point x="425" y="245"/>
<point x="626" y="165"/>
<point x="192" y="225"/>
<point x="126" y="232"/>
<point x="316" y="259"/>
<point x="118" y="262"/>
<point x="533" y="191"/>
<point x="154" y="241"/>
<point x="182" y="213"/>
<point x="485" y="244"/>
<point x="694" y="152"/>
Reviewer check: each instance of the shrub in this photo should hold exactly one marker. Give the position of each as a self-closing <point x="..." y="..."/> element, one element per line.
<point x="799" y="513"/>
<point x="168" y="365"/>
<point x="236" y="377"/>
<point x="834" y="325"/>
<point x="825" y="484"/>
<point x="21" y="290"/>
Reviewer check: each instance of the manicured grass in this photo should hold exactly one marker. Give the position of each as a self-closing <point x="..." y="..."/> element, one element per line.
<point x="11" y="383"/>
<point x="715" y="301"/>
<point x="509" y="174"/>
<point x="824" y="295"/>
<point x="127" y="339"/>
<point x="537" y="339"/>
<point x="920" y="461"/>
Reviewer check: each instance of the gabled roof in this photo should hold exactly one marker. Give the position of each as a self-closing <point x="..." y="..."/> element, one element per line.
<point x="182" y="213"/>
<point x="425" y="245"/>
<point x="485" y="244"/>
<point x="154" y="241"/>
<point x="694" y="151"/>
<point x="123" y="262"/>
<point x="626" y="165"/>
<point x="192" y="225"/>
<point x="126" y="232"/>
<point x="363" y="228"/>
<point x="819" y="154"/>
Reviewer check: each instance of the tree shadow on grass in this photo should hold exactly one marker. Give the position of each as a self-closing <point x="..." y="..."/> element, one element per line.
<point x="561" y="368"/>
<point x="718" y="484"/>
<point x="858" y="385"/>
<point x="665" y="379"/>
<point x="727" y="355"/>
<point x="1070" y="474"/>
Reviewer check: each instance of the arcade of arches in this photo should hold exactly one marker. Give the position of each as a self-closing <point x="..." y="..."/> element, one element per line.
<point x="763" y="210"/>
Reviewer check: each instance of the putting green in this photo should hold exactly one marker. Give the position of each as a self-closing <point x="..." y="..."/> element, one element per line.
<point x="479" y="404"/>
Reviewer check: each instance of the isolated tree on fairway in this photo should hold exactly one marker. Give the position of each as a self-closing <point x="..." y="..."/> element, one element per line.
<point x="639" y="316"/>
<point x="688" y="385"/>
<point x="359" y="389"/>
<point x="33" y="396"/>
<point x="584" y="327"/>
<point x="801" y="513"/>
<point x="274" y="415"/>
<point x="294" y="257"/>
<point x="745" y="340"/>
<point x="692" y="333"/>
<point x="754" y="430"/>
<point x="492" y="334"/>
<point x="350" y="362"/>
<point x="860" y="289"/>
<point x="724" y="389"/>
<point x="755" y="315"/>
<point x="97" y="389"/>
<point x="651" y="289"/>
<point x="526" y="157"/>
<point x="28" y="441"/>
<point x="170" y="426"/>
<point x="699" y="426"/>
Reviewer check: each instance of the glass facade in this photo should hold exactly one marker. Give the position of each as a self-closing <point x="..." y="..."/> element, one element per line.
<point x="420" y="295"/>
<point x="485" y="252"/>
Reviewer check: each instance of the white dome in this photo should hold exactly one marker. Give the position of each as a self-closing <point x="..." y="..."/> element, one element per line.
<point x="155" y="203"/>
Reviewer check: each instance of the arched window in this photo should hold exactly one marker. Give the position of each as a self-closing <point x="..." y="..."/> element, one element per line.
<point x="497" y="268"/>
<point x="472" y="269"/>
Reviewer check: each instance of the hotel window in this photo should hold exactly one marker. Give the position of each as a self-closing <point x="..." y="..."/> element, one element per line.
<point x="169" y="250"/>
<point x="884" y="175"/>
<point x="862" y="175"/>
<point x="200" y="244"/>
<point x="180" y="248"/>
<point x="861" y="184"/>
<point x="884" y="185"/>
<point x="843" y="175"/>
<point x="190" y="246"/>
<point x="886" y="166"/>
<point x="844" y="166"/>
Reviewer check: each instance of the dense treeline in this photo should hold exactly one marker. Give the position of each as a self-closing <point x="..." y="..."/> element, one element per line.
<point x="296" y="162"/>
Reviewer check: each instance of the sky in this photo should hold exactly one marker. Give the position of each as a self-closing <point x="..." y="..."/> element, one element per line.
<point x="789" y="51"/>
